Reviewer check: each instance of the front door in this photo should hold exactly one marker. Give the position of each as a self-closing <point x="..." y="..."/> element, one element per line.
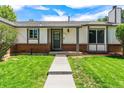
<point x="56" y="39"/>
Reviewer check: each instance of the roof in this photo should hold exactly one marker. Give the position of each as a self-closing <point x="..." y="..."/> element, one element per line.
<point x="6" y="21"/>
<point x="52" y="23"/>
<point x="48" y="23"/>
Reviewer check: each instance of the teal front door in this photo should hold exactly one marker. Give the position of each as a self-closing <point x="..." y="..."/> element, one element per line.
<point x="56" y="39"/>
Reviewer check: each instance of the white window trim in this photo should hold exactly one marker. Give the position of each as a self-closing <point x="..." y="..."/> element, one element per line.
<point x="96" y="29"/>
<point x="33" y="33"/>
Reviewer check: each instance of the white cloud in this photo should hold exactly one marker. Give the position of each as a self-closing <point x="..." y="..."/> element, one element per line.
<point x="17" y="7"/>
<point x="54" y="18"/>
<point x="59" y="12"/>
<point x="78" y="6"/>
<point x="79" y="17"/>
<point x="121" y="6"/>
<point x="60" y="17"/>
<point x="90" y="17"/>
<point x="83" y="18"/>
<point x="40" y="7"/>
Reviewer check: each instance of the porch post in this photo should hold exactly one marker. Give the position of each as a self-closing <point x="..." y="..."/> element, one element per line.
<point x="48" y="35"/>
<point x="77" y="39"/>
<point x="106" y="38"/>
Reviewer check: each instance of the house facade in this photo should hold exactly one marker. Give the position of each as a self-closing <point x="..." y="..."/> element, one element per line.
<point x="83" y="36"/>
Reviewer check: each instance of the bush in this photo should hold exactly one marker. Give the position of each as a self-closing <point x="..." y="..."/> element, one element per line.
<point x="7" y="38"/>
<point x="120" y="35"/>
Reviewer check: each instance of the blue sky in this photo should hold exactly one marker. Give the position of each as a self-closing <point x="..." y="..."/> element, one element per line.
<point x="61" y="12"/>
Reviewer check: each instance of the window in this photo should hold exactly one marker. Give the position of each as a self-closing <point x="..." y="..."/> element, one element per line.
<point x="96" y="36"/>
<point x="100" y="36"/>
<point x="33" y="33"/>
<point x="92" y="36"/>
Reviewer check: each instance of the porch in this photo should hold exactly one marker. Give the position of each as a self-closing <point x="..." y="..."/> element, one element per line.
<point x="90" y="39"/>
<point x="63" y="39"/>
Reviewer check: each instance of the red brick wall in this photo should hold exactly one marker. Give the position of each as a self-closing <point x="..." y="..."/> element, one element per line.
<point x="69" y="47"/>
<point x="72" y="47"/>
<point x="27" y="48"/>
<point x="45" y="48"/>
<point x="114" y="48"/>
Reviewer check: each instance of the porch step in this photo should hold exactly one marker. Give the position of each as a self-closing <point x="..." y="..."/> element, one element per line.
<point x="68" y="53"/>
<point x="59" y="72"/>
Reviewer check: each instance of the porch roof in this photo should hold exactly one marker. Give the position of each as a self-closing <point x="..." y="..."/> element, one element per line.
<point x="53" y="23"/>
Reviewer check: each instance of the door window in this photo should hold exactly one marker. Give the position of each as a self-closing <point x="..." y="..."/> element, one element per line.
<point x="56" y="40"/>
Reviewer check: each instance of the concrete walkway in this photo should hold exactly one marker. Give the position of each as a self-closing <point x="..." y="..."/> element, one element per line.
<point x="60" y="74"/>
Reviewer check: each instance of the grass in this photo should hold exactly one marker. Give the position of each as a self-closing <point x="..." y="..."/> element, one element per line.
<point x="24" y="71"/>
<point x="98" y="71"/>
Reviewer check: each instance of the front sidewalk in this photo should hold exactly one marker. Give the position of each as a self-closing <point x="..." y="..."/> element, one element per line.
<point x="60" y="74"/>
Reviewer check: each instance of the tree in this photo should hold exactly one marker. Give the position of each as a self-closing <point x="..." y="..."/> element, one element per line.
<point x="120" y="35"/>
<point x="7" y="38"/>
<point x="7" y="13"/>
<point x="122" y="14"/>
<point x="103" y="19"/>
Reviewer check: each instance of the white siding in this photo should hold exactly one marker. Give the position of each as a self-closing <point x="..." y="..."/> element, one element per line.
<point x="101" y="27"/>
<point x="83" y="35"/>
<point x="33" y="41"/>
<point x="22" y="35"/>
<point x="69" y="37"/>
<point x="43" y="35"/>
<point x="112" y="35"/>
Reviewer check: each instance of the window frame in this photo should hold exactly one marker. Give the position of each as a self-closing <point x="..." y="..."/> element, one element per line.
<point x="96" y="31"/>
<point x="33" y="36"/>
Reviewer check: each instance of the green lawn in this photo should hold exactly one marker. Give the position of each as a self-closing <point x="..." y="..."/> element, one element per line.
<point x="98" y="71"/>
<point x="24" y="71"/>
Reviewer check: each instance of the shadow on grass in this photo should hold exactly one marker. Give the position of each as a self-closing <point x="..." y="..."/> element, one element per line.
<point x="117" y="56"/>
<point x="1" y="60"/>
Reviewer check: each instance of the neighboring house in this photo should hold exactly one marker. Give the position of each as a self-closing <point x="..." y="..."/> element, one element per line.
<point x="84" y="36"/>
